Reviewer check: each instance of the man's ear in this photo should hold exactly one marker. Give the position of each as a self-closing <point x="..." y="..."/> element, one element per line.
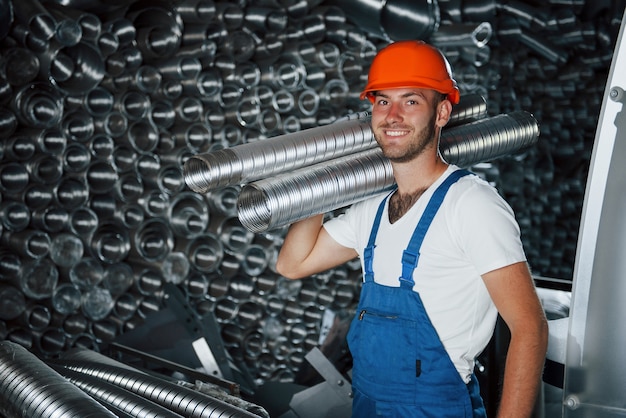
<point x="444" y="110"/>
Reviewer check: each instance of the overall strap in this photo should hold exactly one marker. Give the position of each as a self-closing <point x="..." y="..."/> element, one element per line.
<point x="410" y="256"/>
<point x="368" y="252"/>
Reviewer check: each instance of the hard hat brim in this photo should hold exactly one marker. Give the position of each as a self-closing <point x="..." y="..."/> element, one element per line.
<point x="447" y="87"/>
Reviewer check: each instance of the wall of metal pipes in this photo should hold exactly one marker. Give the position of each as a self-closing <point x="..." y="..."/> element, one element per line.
<point x="101" y="104"/>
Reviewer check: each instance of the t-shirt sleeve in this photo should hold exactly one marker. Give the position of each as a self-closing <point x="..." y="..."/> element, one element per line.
<point x="342" y="228"/>
<point x="352" y="228"/>
<point x="487" y="229"/>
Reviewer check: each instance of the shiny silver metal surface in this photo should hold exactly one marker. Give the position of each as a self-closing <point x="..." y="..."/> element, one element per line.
<point x="283" y="199"/>
<point x="178" y="399"/>
<point x="109" y="394"/>
<point x="247" y="162"/>
<point x="29" y="388"/>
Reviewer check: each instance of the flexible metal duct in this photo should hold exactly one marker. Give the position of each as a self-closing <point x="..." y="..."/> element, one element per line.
<point x="278" y="201"/>
<point x="179" y="399"/>
<point x="256" y="160"/>
<point x="490" y="138"/>
<point x="462" y="34"/>
<point x="31" y="389"/>
<point x="220" y="389"/>
<point x="471" y="107"/>
<point x="393" y="19"/>
<point x="116" y="397"/>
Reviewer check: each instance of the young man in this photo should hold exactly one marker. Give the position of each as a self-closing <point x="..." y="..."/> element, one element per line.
<point x="441" y="256"/>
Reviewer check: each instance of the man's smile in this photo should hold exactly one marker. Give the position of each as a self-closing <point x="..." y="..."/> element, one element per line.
<point x="395" y="132"/>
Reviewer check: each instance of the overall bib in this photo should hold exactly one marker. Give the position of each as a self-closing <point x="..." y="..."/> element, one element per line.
<point x="400" y="367"/>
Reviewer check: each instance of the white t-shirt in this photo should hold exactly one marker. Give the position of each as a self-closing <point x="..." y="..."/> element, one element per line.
<point x="474" y="232"/>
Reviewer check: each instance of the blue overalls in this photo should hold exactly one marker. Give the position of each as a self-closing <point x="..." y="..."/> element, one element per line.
<point x="400" y="367"/>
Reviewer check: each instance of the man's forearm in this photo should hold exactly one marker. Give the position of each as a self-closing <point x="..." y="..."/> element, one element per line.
<point x="522" y="374"/>
<point x="298" y="244"/>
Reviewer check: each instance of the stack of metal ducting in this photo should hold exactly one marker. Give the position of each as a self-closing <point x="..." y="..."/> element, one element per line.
<point x="102" y="103"/>
<point x="87" y="384"/>
<point x="323" y="169"/>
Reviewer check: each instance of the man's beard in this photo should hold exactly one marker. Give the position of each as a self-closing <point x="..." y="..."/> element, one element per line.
<point x="415" y="146"/>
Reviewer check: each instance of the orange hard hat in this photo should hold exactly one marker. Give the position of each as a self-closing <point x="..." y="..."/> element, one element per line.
<point x="406" y="64"/>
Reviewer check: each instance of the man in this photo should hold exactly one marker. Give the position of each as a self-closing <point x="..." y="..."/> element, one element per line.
<point x="441" y="256"/>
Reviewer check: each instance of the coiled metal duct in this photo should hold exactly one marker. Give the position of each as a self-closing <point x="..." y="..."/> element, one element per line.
<point x="31" y="389"/>
<point x="462" y="34"/>
<point x="394" y="19"/>
<point x="278" y="201"/>
<point x="176" y="398"/>
<point x="225" y="392"/>
<point x="490" y="138"/>
<point x="471" y="107"/>
<point x="116" y="397"/>
<point x="256" y="160"/>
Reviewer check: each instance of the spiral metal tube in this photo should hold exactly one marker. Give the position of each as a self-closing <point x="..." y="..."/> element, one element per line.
<point x="278" y="201"/>
<point x="462" y="34"/>
<point x="254" y="160"/>
<point x="179" y="399"/>
<point x="112" y="395"/>
<point x="223" y="390"/>
<point x="394" y="20"/>
<point x="471" y="107"/>
<point x="272" y="202"/>
<point x="31" y="389"/>
<point x="489" y="138"/>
